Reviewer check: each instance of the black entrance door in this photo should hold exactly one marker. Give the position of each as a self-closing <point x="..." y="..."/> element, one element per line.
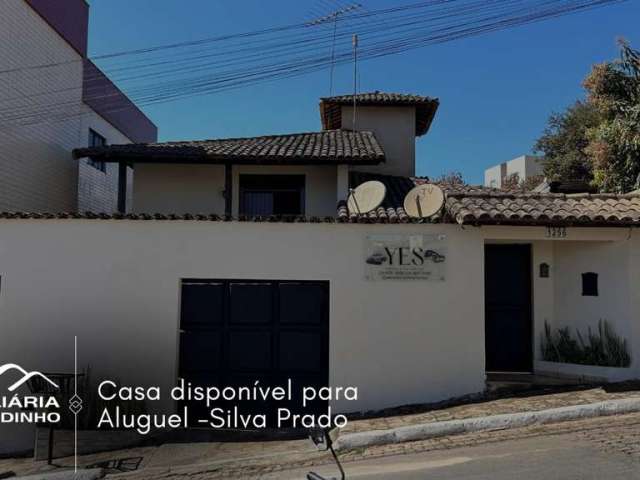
<point x="508" y="329"/>
<point x="238" y="332"/>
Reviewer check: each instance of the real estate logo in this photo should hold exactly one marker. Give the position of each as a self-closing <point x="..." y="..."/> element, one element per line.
<point x="26" y="376"/>
<point x="32" y="408"/>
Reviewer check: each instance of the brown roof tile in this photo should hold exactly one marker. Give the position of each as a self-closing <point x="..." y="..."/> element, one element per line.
<point x="392" y="208"/>
<point x="326" y="147"/>
<point x="492" y="207"/>
<point x="426" y="107"/>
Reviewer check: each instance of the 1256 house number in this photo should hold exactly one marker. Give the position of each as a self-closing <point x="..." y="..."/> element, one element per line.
<point x="556" y="232"/>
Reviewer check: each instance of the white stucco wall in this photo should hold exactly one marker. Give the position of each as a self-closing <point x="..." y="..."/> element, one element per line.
<point x="395" y="129"/>
<point x="198" y="188"/>
<point x="178" y="188"/>
<point x="633" y="271"/>
<point x="612" y="253"/>
<point x="610" y="260"/>
<point x="116" y="285"/>
<point x="399" y="342"/>
<point x="543" y="291"/>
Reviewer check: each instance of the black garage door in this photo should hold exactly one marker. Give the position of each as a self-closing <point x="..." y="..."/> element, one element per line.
<point x="237" y="332"/>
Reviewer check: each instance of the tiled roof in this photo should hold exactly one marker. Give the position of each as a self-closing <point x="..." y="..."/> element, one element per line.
<point x="201" y="217"/>
<point x="326" y="147"/>
<point x="463" y="205"/>
<point x="392" y="208"/>
<point x="494" y="207"/>
<point x="390" y="211"/>
<point x="331" y="111"/>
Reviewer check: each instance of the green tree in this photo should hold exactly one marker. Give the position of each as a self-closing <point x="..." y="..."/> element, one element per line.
<point x="598" y="140"/>
<point x="614" y="144"/>
<point x="565" y="140"/>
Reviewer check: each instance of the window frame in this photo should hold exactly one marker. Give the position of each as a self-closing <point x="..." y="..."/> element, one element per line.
<point x="93" y="135"/>
<point x="270" y="183"/>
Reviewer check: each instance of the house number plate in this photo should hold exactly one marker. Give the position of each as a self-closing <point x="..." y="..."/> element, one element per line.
<point x="556" y="232"/>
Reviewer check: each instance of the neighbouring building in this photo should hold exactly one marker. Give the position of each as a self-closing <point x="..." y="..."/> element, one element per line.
<point x="52" y="99"/>
<point x="525" y="167"/>
<point x="239" y="259"/>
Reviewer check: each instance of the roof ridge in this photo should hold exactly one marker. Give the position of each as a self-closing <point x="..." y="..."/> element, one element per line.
<point x="226" y="139"/>
<point x="504" y="194"/>
<point x="378" y="92"/>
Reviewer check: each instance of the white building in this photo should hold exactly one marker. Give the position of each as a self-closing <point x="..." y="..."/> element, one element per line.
<point x="52" y="99"/>
<point x="240" y="261"/>
<point x="525" y="166"/>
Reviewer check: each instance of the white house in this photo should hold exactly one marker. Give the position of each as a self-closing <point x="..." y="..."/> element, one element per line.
<point x="524" y="166"/>
<point x="52" y="100"/>
<point x="240" y="261"/>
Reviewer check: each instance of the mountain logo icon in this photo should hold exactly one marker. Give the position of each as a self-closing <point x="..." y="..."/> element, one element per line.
<point x="26" y="376"/>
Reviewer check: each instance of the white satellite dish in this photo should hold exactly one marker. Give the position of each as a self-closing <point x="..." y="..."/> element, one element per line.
<point x="424" y="201"/>
<point x="366" y="197"/>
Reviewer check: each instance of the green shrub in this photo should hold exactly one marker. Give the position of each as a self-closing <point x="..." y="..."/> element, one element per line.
<point x="602" y="348"/>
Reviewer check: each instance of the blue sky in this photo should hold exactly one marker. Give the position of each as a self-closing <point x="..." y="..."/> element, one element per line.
<point x="496" y="91"/>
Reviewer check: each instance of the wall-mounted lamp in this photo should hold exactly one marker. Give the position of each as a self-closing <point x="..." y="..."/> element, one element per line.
<point x="544" y="270"/>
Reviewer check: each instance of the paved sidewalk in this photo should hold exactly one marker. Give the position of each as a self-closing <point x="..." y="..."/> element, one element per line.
<point x="604" y="432"/>
<point x="221" y="460"/>
<point x="523" y="402"/>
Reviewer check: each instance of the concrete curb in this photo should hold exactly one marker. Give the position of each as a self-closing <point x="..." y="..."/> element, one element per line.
<point x="426" y="431"/>
<point x="93" y="474"/>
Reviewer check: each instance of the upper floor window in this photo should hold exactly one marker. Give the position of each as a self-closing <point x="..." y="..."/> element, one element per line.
<point x="97" y="140"/>
<point x="272" y="194"/>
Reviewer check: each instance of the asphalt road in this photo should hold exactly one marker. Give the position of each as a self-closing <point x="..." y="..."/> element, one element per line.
<point x="562" y="457"/>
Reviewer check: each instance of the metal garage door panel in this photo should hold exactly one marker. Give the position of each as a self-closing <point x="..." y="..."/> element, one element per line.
<point x="251" y="303"/>
<point x="201" y="305"/>
<point x="266" y="331"/>
<point x="200" y="351"/>
<point x="198" y="410"/>
<point x="301" y="352"/>
<point x="250" y="351"/>
<point x="302" y="303"/>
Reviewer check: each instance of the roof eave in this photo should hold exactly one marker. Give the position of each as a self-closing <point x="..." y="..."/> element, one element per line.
<point x="114" y="157"/>
<point x="546" y="223"/>
<point x="429" y="120"/>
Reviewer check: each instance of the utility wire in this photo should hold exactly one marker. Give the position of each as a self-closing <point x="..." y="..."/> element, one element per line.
<point x="409" y="35"/>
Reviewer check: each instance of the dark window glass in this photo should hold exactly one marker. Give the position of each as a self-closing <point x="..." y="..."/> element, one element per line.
<point x="590" y="284"/>
<point x="97" y="140"/>
<point x="272" y="194"/>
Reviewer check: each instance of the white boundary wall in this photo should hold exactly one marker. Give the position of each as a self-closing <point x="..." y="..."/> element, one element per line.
<point x="116" y="285"/>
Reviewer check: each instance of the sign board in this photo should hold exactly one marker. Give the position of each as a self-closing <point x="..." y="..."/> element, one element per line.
<point x="405" y="257"/>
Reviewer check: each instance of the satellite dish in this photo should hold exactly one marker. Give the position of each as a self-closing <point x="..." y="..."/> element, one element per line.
<point x="366" y="197"/>
<point x="424" y="201"/>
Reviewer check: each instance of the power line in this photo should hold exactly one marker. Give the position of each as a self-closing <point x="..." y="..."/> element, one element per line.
<point x="267" y="74"/>
<point x="410" y="33"/>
